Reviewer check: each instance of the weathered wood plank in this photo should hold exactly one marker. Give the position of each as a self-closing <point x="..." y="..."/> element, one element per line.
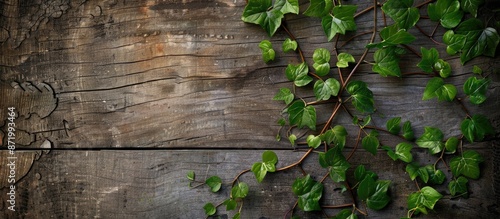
<point x="184" y="75"/>
<point x="172" y="74"/>
<point x="152" y="184"/>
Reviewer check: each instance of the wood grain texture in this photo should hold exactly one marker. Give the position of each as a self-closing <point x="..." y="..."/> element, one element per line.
<point x="168" y="86"/>
<point x="152" y="184"/>
<point x="171" y="74"/>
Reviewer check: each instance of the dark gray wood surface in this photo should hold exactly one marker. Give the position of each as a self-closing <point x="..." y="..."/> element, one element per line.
<point x="130" y="95"/>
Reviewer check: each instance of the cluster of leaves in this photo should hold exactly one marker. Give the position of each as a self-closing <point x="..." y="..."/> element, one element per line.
<point x="238" y="192"/>
<point x="465" y="34"/>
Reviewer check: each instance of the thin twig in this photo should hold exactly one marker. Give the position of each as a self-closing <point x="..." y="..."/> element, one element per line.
<point x="292" y="37"/>
<point x="364" y="11"/>
<point x="366" y="50"/>
<point x="424" y="3"/>
<point x="336" y="109"/>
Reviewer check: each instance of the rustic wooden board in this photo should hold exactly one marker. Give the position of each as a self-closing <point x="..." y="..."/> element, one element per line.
<point x="171" y="74"/>
<point x="186" y="79"/>
<point x="152" y="184"/>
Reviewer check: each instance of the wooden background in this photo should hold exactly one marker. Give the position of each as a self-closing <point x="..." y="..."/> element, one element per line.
<point x="118" y="99"/>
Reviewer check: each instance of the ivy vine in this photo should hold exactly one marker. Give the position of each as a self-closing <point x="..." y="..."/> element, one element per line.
<point x="467" y="36"/>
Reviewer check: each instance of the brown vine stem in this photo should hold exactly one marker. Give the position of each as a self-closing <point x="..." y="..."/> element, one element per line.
<point x="298" y="162"/>
<point x="416" y="73"/>
<point x="292" y="37"/>
<point x="364" y="11"/>
<point x="238" y="176"/>
<point x="462" y="105"/>
<point x="416" y="183"/>
<point x="336" y="109"/>
<point x="337" y="206"/>
<point x="351" y="38"/>
<point x="412" y="50"/>
<point x="337" y="56"/>
<point x="441" y="158"/>
<point x="424" y="3"/>
<point x="431" y="36"/>
<point x="291" y="210"/>
<point x="355" y="146"/>
<point x="316" y="102"/>
<point x="366" y="50"/>
<point x="383" y="130"/>
<point x="324" y="177"/>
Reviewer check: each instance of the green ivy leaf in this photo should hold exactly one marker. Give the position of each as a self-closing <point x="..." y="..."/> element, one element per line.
<point x="319" y="8"/>
<point x="292" y="138"/>
<point x="309" y="192"/>
<point x="284" y="94"/>
<point x="431" y="62"/>
<point x="445" y="11"/>
<point x="403" y="152"/>
<point x="370" y="142"/>
<point x="321" y="58"/>
<point x="323" y="90"/>
<point x="298" y="74"/>
<point x="237" y="215"/>
<point x="476" y="89"/>
<point x="475" y="128"/>
<point x="379" y="199"/>
<point x="366" y="188"/>
<point x="387" y="61"/>
<point x="337" y="135"/>
<point x="436" y="176"/>
<point x="394" y="125"/>
<point x="424" y="199"/>
<point x="429" y="58"/>
<point x="268" y="52"/>
<point x="302" y="115"/>
<point x="437" y="88"/>
<point x="345" y="214"/>
<point x="240" y="190"/>
<point x="477" y="70"/>
<point x="256" y="12"/>
<point x="451" y="145"/>
<point x="269" y="157"/>
<point x="214" y="183"/>
<point x="454" y="42"/>
<point x="366" y="121"/>
<point x="478" y="39"/>
<point x="190" y="175"/>
<point x="467" y="164"/>
<point x="362" y="97"/>
<point x="458" y="187"/>
<point x="281" y="122"/>
<point x="408" y="131"/>
<point x="340" y="21"/>
<point x="260" y="169"/>
<point x="209" y="209"/>
<point x="334" y="159"/>
<point x="289" y="45"/>
<point x="344" y="59"/>
<point x="431" y="139"/>
<point x="390" y="153"/>
<point x="393" y="36"/>
<point x="471" y="6"/>
<point x="360" y="173"/>
<point x="402" y="12"/>
<point x="230" y="204"/>
<point x="414" y="171"/>
<point x="313" y="141"/>
<point x="287" y="6"/>
<point x="443" y="67"/>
